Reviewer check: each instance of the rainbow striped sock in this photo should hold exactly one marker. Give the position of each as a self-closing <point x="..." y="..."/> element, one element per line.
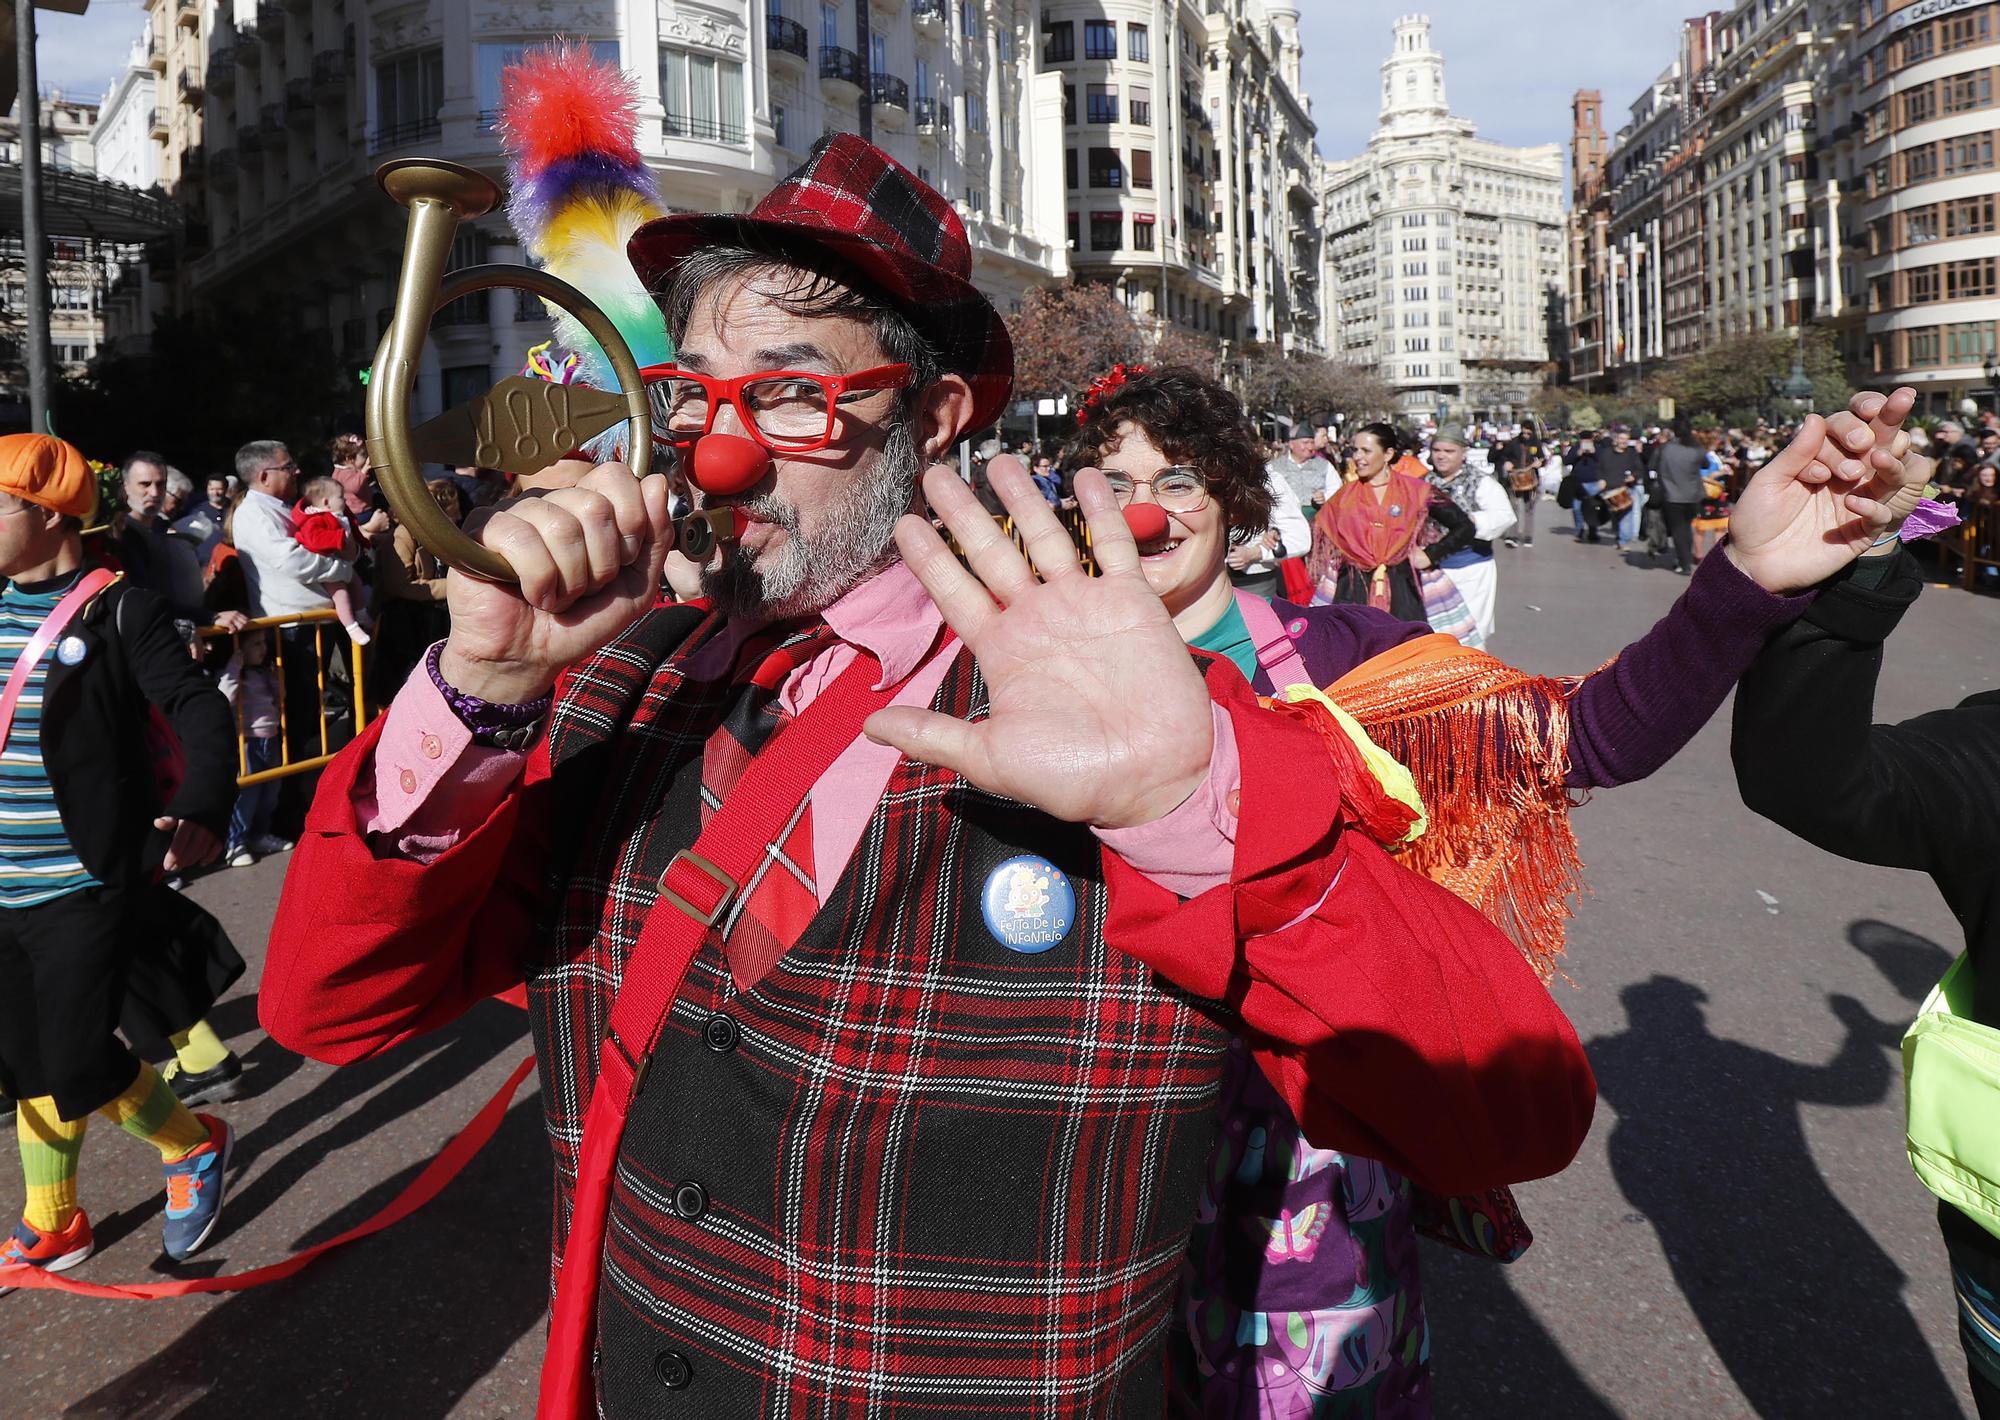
<point x="50" y="1147"/>
<point x="150" y="1110"/>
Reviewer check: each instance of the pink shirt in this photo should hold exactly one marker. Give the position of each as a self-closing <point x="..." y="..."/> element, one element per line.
<point x="430" y="782"/>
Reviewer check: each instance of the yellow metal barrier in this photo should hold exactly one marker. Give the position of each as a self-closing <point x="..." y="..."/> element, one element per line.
<point x="1072" y="520"/>
<point x="321" y="620"/>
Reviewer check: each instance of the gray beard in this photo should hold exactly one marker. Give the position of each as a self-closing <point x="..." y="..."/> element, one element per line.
<point x="809" y="574"/>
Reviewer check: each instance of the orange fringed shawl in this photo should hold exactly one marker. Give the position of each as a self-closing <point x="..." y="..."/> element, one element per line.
<point x="1488" y="747"/>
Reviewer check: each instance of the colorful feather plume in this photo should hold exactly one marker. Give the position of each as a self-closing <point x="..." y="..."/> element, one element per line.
<point x="578" y="190"/>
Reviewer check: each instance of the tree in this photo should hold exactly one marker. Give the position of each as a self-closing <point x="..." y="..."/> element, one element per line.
<point x="1308" y="389"/>
<point x="1731" y="379"/>
<point x="1066" y="336"/>
<point x="1175" y="345"/>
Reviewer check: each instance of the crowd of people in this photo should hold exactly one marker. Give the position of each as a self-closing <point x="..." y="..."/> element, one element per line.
<point x="851" y="861"/>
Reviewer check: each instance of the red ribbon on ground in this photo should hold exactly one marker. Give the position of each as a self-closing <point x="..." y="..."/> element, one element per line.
<point x="441" y="1170"/>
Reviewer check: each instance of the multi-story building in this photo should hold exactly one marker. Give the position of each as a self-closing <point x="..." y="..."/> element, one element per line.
<point x="81" y="264"/>
<point x="1928" y="220"/>
<point x="732" y="95"/>
<point x="1587" y="240"/>
<point x="1445" y="250"/>
<point x="1189" y="160"/>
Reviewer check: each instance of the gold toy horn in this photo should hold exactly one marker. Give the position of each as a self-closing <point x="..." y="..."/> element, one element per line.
<point x="521" y="425"/>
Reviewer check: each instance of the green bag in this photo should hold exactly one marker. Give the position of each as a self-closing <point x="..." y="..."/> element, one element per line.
<point x="1951" y="1099"/>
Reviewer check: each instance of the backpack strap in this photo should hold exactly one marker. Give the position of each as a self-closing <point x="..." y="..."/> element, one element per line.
<point x="74" y="600"/>
<point x="1277" y="657"/>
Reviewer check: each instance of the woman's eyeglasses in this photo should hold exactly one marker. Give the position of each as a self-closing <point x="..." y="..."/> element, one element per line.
<point x="787" y="411"/>
<point x="1178" y="488"/>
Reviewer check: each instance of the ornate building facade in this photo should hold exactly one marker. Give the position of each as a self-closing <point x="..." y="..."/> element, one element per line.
<point x="1444" y="251"/>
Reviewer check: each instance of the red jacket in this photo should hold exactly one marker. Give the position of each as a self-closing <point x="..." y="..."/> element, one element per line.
<point x="1396" y="1021"/>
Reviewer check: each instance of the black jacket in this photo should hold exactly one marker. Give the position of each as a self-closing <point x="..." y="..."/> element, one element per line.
<point x="94" y="739"/>
<point x="1924" y="794"/>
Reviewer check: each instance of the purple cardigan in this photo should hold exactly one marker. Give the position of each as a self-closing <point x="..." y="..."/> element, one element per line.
<point x="1632" y="716"/>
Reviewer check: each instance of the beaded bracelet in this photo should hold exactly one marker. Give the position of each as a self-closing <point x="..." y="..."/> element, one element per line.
<point x="500" y="725"/>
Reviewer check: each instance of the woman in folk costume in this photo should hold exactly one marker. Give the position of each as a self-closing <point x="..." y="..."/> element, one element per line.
<point x="1376" y="534"/>
<point x="1301" y="1286"/>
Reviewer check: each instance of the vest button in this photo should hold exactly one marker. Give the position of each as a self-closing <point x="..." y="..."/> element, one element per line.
<point x="673" y="1370"/>
<point x="690" y="1201"/>
<point x="721" y="1033"/>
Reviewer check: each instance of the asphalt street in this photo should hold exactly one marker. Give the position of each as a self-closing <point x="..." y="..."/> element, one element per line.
<point x="1741" y="1234"/>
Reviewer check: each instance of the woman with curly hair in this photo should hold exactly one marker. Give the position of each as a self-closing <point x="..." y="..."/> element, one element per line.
<point x="1300" y="1289"/>
<point x="1380" y="530"/>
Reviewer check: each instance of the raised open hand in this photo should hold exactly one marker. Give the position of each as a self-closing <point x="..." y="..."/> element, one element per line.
<point x="1828" y="495"/>
<point x="1098" y="714"/>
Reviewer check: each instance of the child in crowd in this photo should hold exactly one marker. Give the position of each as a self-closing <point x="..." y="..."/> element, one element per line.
<point x="251" y="687"/>
<point x="319" y="524"/>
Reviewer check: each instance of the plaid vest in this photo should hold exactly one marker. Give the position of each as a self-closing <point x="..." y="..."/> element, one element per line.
<point x="912" y="1170"/>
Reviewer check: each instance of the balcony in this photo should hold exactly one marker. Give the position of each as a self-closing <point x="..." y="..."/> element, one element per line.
<point x="786" y="37"/>
<point x="928" y="12"/>
<point x="188" y="14"/>
<point x="298" y="101"/>
<point x="466" y="310"/>
<point x="223" y="169"/>
<point x="402" y="135"/>
<point x="932" y="116"/>
<point x="191" y="90"/>
<point x="249" y="142"/>
<point x="246" y="49"/>
<point x="156" y="123"/>
<point x="156" y="52"/>
<point x="330" y="74"/>
<point x="841" y="66"/>
<point x="889" y="95"/>
<point x="194" y="164"/>
<point x="704" y="127"/>
<point x="270" y="20"/>
<point x="272" y="125"/>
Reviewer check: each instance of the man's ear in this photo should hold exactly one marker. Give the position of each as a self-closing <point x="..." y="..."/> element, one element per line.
<point x="944" y="411"/>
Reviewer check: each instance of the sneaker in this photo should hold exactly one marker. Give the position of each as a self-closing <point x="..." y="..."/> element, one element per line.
<point x="222" y="1082"/>
<point x="194" y="1192"/>
<point x="52" y="1252"/>
<point x="240" y="857"/>
<point x="265" y="844"/>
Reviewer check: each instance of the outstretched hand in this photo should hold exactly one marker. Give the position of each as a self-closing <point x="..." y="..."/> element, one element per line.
<point x="1097" y="713"/>
<point x="1829" y="494"/>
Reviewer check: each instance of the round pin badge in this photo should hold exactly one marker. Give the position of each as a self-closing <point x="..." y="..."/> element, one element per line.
<point x="71" y="649"/>
<point x="1296" y="626"/>
<point x="1028" y="904"/>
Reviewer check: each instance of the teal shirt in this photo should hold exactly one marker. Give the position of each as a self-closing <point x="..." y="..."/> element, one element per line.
<point x="1231" y="637"/>
<point x="37" y="862"/>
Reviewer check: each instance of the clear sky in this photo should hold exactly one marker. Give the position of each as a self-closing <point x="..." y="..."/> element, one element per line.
<point x="1510" y="65"/>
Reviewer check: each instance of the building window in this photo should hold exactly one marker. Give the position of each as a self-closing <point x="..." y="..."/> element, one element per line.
<point x="1107" y="231"/>
<point x="1966" y="30"/>
<point x="1142" y="168"/>
<point x="1922" y="347"/>
<point x="968" y="19"/>
<point x="1968" y="344"/>
<point x="1138" y="44"/>
<point x="1965" y="92"/>
<point x="1919" y="43"/>
<point x="924" y="79"/>
<point x="1968" y="280"/>
<point x="1069" y="103"/>
<point x="703" y="96"/>
<point x="1920" y="226"/>
<point x="495" y="58"/>
<point x="1920" y="287"/>
<point x="1966" y="217"/>
<point x="1141" y="99"/>
<point x="975" y="198"/>
<point x="1919" y="164"/>
<point x="408" y="91"/>
<point x="1142" y="231"/>
<point x="975" y="113"/>
<point x="1919" y="104"/>
<point x="1105" y="170"/>
<point x="1101" y="103"/>
<point x="1100" y="39"/>
<point x="778" y="125"/>
<point x="878" y="53"/>
<point x="1058" y="41"/>
<point x="1069" y="169"/>
<point x="829" y="25"/>
<point x="1074" y="239"/>
<point x="1971" y="154"/>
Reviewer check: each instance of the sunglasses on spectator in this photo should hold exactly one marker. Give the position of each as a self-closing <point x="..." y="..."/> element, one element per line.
<point x="787" y="411"/>
<point x="1178" y="488"/>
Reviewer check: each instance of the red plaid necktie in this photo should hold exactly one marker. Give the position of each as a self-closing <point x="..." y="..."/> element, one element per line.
<point x="780" y="899"/>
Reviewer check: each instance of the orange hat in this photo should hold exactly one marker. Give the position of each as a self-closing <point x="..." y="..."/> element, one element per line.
<point x="47" y="471"/>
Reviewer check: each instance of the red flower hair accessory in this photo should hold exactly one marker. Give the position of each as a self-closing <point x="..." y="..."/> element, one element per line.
<point x="1103" y="385"/>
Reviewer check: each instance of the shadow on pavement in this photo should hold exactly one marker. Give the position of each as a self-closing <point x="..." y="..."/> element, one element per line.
<point x="1490" y="1358"/>
<point x="403" y="1323"/>
<point x="1908" y="962"/>
<point x="1799" y="1302"/>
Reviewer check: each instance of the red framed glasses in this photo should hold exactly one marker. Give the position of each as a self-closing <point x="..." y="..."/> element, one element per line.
<point x="787" y="411"/>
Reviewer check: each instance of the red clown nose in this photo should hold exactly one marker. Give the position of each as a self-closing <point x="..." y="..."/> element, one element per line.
<point x="1148" y="521"/>
<point x="728" y="463"/>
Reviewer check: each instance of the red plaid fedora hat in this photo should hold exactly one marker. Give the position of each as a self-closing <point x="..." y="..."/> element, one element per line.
<point x="894" y="233"/>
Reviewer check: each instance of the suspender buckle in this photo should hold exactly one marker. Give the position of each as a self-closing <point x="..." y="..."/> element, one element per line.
<point x="708" y="916"/>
